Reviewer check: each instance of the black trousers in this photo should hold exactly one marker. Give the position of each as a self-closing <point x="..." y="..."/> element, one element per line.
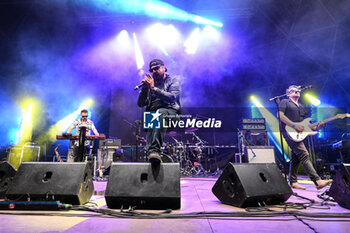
<point x="79" y="156"/>
<point x="300" y="155"/>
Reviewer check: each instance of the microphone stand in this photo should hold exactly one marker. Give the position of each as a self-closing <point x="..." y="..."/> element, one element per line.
<point x="244" y="141"/>
<point x="137" y="133"/>
<point x="277" y="101"/>
<point x="81" y="147"/>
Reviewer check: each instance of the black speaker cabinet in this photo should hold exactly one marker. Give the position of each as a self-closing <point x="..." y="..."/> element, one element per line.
<point x="69" y="183"/>
<point x="255" y="138"/>
<point x="140" y="185"/>
<point x="247" y="185"/>
<point x="7" y="172"/>
<point x="340" y="189"/>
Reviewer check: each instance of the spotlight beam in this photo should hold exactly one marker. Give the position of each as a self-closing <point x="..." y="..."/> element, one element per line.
<point x="273" y="124"/>
<point x="151" y="8"/>
<point x="138" y="54"/>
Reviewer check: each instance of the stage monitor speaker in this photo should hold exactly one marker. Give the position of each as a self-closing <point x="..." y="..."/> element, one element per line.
<point x="69" y="183"/>
<point x="142" y="186"/>
<point x="7" y="172"/>
<point x="262" y="154"/>
<point x="255" y="138"/>
<point x="248" y="185"/>
<point x="340" y="189"/>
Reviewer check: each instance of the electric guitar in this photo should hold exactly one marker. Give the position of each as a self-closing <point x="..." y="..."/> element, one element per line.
<point x="299" y="136"/>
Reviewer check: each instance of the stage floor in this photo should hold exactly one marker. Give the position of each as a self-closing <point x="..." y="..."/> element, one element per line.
<point x="196" y="196"/>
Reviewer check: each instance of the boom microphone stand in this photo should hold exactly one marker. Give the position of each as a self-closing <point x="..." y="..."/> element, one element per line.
<point x="277" y="100"/>
<point x="81" y="147"/>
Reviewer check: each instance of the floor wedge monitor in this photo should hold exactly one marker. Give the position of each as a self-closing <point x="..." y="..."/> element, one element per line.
<point x="69" y="183"/>
<point x="7" y="172"/>
<point x="248" y="185"/>
<point x="143" y="186"/>
<point x="340" y="189"/>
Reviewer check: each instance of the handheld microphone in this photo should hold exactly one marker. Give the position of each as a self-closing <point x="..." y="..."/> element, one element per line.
<point x="138" y="86"/>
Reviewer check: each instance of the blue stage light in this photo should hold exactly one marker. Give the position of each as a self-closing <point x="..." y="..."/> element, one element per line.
<point x="152" y="8"/>
<point x="191" y="44"/>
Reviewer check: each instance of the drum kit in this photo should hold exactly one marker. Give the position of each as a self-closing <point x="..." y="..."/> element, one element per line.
<point x="193" y="155"/>
<point x="189" y="155"/>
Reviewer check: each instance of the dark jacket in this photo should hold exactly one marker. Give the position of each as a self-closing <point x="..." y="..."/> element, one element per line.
<point x="167" y="95"/>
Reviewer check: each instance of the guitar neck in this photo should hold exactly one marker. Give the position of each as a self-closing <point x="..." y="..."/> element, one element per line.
<point x="326" y="120"/>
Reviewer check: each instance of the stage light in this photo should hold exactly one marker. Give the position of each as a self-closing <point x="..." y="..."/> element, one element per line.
<point x="313" y="100"/>
<point x="157" y="33"/>
<point x="151" y="8"/>
<point x="273" y="124"/>
<point x="26" y="127"/>
<point x="172" y="35"/>
<point x="30" y="118"/>
<point x="210" y="33"/>
<point x="201" y="20"/>
<point x="138" y="54"/>
<point x="164" y="10"/>
<point x="191" y="44"/>
<point x="122" y="43"/>
<point x="256" y="101"/>
<point x="165" y="36"/>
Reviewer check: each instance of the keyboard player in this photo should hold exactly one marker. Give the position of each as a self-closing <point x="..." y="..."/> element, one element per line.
<point x="78" y="124"/>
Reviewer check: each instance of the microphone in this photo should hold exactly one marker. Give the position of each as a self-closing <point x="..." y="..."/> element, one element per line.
<point x="305" y="87"/>
<point x="295" y="89"/>
<point x="138" y="86"/>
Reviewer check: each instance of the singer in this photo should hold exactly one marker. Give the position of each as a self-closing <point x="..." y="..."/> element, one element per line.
<point x="159" y="92"/>
<point x="292" y="112"/>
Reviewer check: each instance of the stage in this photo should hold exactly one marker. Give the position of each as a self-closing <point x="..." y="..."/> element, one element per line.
<point x="101" y="82"/>
<point x="197" y="199"/>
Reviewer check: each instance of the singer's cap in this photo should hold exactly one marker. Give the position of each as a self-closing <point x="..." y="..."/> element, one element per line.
<point x="156" y="62"/>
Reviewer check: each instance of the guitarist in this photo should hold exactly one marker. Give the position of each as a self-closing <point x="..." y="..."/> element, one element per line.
<point x="291" y="113"/>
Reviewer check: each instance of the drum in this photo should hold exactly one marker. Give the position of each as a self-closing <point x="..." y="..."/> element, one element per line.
<point x="166" y="158"/>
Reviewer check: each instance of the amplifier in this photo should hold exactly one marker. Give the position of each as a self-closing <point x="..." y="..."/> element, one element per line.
<point x="255" y="138"/>
<point x="253" y="121"/>
<point x="253" y="124"/>
<point x="259" y="154"/>
<point x="111" y="143"/>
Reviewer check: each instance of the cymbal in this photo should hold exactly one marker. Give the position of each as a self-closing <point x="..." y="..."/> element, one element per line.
<point x="172" y="134"/>
<point x="189" y="130"/>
